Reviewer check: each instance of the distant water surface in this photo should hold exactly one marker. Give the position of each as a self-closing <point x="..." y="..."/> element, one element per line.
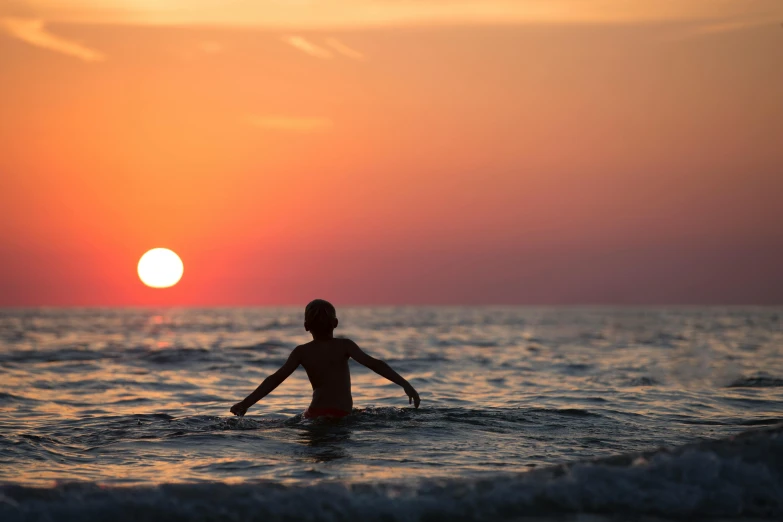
<point x="123" y="400"/>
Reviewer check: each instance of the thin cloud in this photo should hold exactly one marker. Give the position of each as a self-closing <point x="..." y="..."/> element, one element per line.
<point x="718" y="28"/>
<point x="345" y="50"/>
<point x="307" y="47"/>
<point x="335" y="14"/>
<point x="290" y="123"/>
<point x="34" y="32"/>
<point x="729" y="27"/>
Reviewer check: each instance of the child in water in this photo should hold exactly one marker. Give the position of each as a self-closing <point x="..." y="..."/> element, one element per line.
<point x="325" y="359"/>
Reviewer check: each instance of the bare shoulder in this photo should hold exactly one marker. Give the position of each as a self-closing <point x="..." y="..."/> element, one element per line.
<point x="300" y="351"/>
<point x="347" y="344"/>
<point x="352" y="350"/>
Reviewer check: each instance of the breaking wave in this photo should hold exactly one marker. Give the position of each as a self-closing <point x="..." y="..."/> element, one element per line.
<point x="741" y="476"/>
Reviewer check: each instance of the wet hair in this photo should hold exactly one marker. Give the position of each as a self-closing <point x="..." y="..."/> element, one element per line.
<point x="320" y="316"/>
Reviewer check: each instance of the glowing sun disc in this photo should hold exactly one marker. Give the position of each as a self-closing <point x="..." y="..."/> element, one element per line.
<point x="160" y="268"/>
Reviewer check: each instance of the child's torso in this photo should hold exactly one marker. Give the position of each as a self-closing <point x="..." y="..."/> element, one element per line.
<point x="326" y="364"/>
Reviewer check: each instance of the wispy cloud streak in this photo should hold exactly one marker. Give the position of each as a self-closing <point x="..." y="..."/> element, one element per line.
<point x="34" y="32"/>
<point x="334" y="14"/>
<point x="306" y="46"/>
<point x="705" y="30"/>
<point x="345" y="50"/>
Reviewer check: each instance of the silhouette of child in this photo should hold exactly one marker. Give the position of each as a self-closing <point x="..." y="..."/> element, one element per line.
<point x="325" y="359"/>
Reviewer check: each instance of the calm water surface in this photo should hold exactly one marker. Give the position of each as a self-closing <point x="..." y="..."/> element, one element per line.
<point x="131" y="399"/>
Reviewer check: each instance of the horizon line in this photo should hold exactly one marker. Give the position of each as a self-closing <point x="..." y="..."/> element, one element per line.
<point x="392" y="305"/>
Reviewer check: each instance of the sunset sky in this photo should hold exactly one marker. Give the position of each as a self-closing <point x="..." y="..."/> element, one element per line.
<point x="392" y="151"/>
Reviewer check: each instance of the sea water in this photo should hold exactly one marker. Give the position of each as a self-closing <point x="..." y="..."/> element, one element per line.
<point x="545" y="413"/>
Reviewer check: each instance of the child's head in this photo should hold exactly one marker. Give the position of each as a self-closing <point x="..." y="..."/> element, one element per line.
<point x="320" y="317"/>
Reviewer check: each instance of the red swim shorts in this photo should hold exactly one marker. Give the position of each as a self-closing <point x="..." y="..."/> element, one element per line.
<point x="312" y="413"/>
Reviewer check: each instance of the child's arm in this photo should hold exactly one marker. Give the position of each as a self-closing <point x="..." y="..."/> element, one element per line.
<point x="384" y="370"/>
<point x="269" y="384"/>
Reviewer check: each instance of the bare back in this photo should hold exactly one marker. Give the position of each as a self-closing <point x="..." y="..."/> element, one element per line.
<point x="326" y="364"/>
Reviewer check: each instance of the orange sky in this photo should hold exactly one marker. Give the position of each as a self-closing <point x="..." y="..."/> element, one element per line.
<point x="392" y="152"/>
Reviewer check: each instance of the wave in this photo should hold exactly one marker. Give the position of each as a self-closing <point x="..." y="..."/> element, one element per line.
<point x="264" y="353"/>
<point x="741" y="476"/>
<point x="643" y="381"/>
<point x="262" y="346"/>
<point x="11" y="398"/>
<point x="760" y="380"/>
<point x="65" y="353"/>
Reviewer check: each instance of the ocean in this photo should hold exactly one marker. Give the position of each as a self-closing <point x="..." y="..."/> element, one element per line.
<point x="586" y="414"/>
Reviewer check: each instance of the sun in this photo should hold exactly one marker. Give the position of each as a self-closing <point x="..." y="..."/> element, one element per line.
<point x="160" y="268"/>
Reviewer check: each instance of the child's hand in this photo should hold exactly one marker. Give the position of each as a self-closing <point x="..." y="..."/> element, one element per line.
<point x="239" y="409"/>
<point x="413" y="396"/>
